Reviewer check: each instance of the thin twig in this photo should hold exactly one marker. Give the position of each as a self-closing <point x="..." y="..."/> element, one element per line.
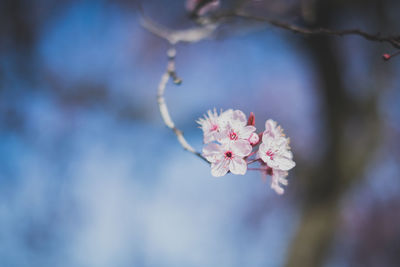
<point x="252" y="161"/>
<point x="171" y="73"/>
<point x="393" y="40"/>
<point x="256" y="169"/>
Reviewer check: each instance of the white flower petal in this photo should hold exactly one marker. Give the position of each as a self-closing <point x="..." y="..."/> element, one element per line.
<point x="278" y="178"/>
<point x="241" y="148"/>
<point x="238" y="166"/>
<point x="223" y="136"/>
<point x="239" y="118"/>
<point x="287" y="154"/>
<point x="281" y="141"/>
<point x="225" y="118"/>
<point x="283" y="163"/>
<point x="262" y="152"/>
<point x="270" y="128"/>
<point x="270" y="124"/>
<point x="246" y="132"/>
<point x="267" y="139"/>
<point x="279" y="190"/>
<point x="209" y="137"/>
<point x="213" y="152"/>
<point x="219" y="168"/>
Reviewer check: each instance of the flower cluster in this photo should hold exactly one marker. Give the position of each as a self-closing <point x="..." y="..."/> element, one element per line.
<point x="231" y="140"/>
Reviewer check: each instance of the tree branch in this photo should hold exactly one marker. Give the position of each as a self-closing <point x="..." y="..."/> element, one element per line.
<point x="191" y="35"/>
<point x="171" y="73"/>
<point x="392" y="40"/>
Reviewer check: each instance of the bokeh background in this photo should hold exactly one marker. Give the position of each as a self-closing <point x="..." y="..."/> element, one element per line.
<point x="90" y="176"/>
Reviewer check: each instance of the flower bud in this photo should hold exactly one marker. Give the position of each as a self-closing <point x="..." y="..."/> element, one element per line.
<point x="252" y="119"/>
<point x="386" y="57"/>
<point x="254" y="139"/>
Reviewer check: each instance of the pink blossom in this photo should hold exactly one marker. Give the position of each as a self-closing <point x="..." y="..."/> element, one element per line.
<point x="236" y="128"/>
<point x="274" y="149"/>
<point x="230" y="138"/>
<point x="201" y="7"/>
<point x="227" y="157"/>
<point x="212" y="124"/>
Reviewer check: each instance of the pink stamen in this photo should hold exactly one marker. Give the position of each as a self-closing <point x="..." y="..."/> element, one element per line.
<point x="214" y="127"/>
<point x="228" y="154"/>
<point x="233" y="136"/>
<point x="270" y="154"/>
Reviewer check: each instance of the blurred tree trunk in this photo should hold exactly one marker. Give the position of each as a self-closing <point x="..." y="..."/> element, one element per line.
<point x="343" y="161"/>
<point x="322" y="187"/>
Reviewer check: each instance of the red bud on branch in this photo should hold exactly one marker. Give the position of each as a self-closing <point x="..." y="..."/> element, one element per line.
<point x="252" y="119"/>
<point x="387" y="56"/>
